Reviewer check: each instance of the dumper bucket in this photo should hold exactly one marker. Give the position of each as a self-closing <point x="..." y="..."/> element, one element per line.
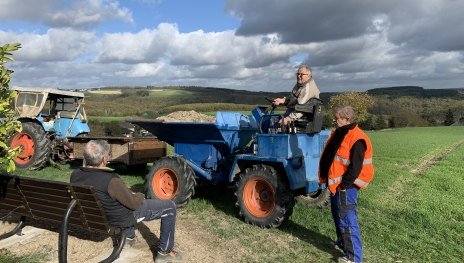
<point x="230" y="132"/>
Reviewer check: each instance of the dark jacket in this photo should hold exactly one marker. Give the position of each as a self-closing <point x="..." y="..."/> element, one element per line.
<point x="117" y="200"/>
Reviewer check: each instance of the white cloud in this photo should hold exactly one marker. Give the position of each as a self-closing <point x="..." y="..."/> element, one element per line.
<point x="142" y="70"/>
<point x="56" y="45"/>
<point x="353" y="45"/>
<point x="56" y="13"/>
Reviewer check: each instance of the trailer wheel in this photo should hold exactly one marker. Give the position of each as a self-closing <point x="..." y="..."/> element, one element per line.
<point x="263" y="198"/>
<point x="35" y="147"/>
<point x="171" y="178"/>
<point x="320" y="199"/>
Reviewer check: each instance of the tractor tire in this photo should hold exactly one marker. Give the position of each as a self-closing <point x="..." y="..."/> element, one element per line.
<point x="263" y="197"/>
<point x="141" y="167"/>
<point x="171" y="178"/>
<point x="320" y="199"/>
<point x="35" y="145"/>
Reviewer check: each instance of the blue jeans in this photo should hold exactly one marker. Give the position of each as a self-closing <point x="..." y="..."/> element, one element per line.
<point x="155" y="209"/>
<point x="344" y="212"/>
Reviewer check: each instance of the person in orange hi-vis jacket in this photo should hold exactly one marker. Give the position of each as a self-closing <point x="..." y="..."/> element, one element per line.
<point x="345" y="167"/>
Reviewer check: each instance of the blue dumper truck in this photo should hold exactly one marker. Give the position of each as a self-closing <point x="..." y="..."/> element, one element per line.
<point x="270" y="164"/>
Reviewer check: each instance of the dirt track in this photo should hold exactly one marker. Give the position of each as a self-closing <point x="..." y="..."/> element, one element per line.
<point x="196" y="243"/>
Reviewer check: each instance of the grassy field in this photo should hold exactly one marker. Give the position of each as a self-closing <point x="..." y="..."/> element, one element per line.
<point x="405" y="215"/>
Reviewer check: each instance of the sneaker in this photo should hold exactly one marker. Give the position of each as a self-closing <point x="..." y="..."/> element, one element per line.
<point x="131" y="241"/>
<point x="168" y="257"/>
<point x="345" y="259"/>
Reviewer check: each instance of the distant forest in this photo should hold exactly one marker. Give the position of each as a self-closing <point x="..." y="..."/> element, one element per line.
<point x="405" y="106"/>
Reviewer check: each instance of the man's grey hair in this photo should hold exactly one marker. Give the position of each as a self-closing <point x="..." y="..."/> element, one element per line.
<point x="346" y="112"/>
<point x="310" y="71"/>
<point x="94" y="152"/>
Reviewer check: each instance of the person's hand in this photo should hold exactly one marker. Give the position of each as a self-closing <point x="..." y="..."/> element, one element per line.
<point x="283" y="121"/>
<point x="279" y="101"/>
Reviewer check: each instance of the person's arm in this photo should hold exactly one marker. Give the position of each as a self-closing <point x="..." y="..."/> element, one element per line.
<point x="119" y="192"/>
<point x="357" y="153"/>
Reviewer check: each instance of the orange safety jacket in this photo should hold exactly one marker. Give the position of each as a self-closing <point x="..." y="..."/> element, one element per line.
<point x="342" y="161"/>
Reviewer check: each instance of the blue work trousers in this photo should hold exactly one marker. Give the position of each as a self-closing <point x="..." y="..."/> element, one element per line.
<point x="344" y="212"/>
<point x="155" y="209"/>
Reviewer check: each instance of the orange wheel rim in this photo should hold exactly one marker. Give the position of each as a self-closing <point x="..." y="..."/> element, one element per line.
<point x="259" y="197"/>
<point x="165" y="183"/>
<point x="25" y="142"/>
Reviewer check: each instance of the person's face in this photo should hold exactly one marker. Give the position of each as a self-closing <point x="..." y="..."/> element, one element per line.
<point x="339" y="122"/>
<point x="302" y="75"/>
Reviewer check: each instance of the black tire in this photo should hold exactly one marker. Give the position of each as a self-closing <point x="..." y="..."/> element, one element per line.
<point x="141" y="167"/>
<point x="320" y="199"/>
<point x="171" y="178"/>
<point x="263" y="197"/>
<point x="38" y="151"/>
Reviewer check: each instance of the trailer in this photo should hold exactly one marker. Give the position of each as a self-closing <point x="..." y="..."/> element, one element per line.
<point x="135" y="152"/>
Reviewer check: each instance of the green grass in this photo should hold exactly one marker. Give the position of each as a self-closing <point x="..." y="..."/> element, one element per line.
<point x="8" y="257"/>
<point x="404" y="216"/>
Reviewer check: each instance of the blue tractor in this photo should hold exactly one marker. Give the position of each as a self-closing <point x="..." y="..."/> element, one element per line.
<point x="270" y="164"/>
<point x="48" y="118"/>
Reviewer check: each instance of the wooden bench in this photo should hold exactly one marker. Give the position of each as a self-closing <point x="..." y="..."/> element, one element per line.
<point x="57" y="202"/>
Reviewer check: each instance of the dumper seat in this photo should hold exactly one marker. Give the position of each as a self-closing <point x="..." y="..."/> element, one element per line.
<point x="311" y="121"/>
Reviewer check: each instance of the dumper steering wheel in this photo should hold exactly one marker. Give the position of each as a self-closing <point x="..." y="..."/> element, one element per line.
<point x="272" y="103"/>
<point x="269" y="123"/>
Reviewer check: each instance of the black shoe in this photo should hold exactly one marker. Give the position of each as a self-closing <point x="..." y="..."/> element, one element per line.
<point x="339" y="245"/>
<point x="165" y="257"/>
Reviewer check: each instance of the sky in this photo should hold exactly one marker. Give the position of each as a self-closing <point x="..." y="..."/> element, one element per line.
<point x="351" y="45"/>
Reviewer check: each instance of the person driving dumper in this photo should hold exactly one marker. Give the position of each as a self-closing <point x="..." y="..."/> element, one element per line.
<point x="302" y="92"/>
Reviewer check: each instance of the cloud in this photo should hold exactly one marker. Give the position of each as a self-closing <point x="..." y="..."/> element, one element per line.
<point x="30" y="10"/>
<point x="196" y="48"/>
<point x="56" y="13"/>
<point x="429" y="24"/>
<point x="56" y="45"/>
<point x="303" y="21"/>
<point x="351" y="45"/>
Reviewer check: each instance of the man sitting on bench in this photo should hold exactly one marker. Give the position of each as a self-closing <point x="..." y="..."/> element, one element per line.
<point x="123" y="207"/>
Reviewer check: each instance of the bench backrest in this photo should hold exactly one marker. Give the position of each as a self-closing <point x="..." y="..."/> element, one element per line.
<point x="49" y="200"/>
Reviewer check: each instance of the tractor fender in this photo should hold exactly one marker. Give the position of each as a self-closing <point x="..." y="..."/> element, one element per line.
<point x="25" y="119"/>
<point x="47" y="127"/>
<point x="290" y="168"/>
<point x="243" y="161"/>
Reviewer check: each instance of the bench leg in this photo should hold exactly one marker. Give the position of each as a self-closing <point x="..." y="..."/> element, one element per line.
<point x="16" y="230"/>
<point x="63" y="239"/>
<point x="117" y="249"/>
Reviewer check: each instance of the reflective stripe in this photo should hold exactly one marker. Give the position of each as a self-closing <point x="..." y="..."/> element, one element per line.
<point x="361" y="183"/>
<point x="347" y="162"/>
<point x="334" y="181"/>
<point x="367" y="161"/>
<point x="340" y="159"/>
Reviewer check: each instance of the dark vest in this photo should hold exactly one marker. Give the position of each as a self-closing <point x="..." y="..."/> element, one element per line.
<point x="116" y="214"/>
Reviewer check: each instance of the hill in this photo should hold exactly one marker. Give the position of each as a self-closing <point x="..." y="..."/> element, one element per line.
<point x="417" y="92"/>
<point x="393" y="107"/>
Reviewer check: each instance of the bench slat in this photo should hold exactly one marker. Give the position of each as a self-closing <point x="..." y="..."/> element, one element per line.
<point x="47" y="191"/>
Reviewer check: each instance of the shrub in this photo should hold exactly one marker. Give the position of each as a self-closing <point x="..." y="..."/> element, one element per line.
<point x="8" y="125"/>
